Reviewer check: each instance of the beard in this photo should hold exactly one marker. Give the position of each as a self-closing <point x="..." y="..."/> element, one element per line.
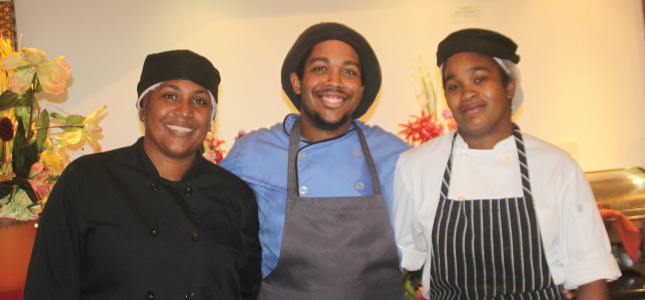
<point x="319" y="122"/>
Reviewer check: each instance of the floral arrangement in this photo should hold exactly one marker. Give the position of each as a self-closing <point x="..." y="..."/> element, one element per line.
<point x="212" y="147"/>
<point x="31" y="157"/>
<point x="428" y="125"/>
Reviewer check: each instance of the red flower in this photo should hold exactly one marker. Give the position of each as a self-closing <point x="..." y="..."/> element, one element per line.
<point x="422" y="129"/>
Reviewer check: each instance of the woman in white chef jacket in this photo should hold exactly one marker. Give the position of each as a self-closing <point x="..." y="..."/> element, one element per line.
<point x="493" y="212"/>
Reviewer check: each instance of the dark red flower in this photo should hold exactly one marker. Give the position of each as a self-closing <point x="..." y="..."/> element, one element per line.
<point x="6" y="129"/>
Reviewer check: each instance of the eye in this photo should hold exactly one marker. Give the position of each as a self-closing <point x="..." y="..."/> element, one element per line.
<point x="171" y="96"/>
<point x="480" y="79"/>
<point x="319" y="69"/>
<point x="350" y="72"/>
<point x="452" y="87"/>
<point x="200" y="101"/>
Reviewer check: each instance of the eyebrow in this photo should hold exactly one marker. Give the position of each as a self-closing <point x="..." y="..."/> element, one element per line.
<point x="174" y="87"/>
<point x="471" y="70"/>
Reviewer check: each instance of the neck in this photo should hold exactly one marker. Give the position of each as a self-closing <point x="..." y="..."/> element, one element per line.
<point x="487" y="141"/>
<point x="170" y="168"/>
<point x="314" y="134"/>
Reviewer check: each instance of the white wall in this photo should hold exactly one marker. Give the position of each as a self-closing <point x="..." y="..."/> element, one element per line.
<point x="582" y="61"/>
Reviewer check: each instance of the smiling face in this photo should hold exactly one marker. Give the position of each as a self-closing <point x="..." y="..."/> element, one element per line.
<point x="330" y="89"/>
<point x="177" y="117"/>
<point x="478" y="98"/>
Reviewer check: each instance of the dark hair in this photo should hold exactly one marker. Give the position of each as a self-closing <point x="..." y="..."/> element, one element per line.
<point x="300" y="70"/>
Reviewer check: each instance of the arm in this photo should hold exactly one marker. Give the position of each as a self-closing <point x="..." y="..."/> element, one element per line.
<point x="404" y="221"/>
<point x="250" y="280"/>
<point x="54" y="268"/>
<point x="595" y="290"/>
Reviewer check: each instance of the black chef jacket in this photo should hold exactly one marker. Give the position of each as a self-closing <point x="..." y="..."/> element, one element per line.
<point x="114" y="229"/>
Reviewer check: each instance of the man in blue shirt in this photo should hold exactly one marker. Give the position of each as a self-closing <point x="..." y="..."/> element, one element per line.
<point x="322" y="179"/>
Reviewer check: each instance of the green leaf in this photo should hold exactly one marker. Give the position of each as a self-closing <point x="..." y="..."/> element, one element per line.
<point x="5" y="188"/>
<point x="25" y="186"/>
<point x="57" y="116"/>
<point x="24" y="113"/>
<point x="9" y="99"/>
<point x="39" y="88"/>
<point x="41" y="136"/>
<point x="23" y="155"/>
<point x="73" y="120"/>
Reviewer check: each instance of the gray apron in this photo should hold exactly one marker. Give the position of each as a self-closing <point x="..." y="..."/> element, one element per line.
<point x="490" y="248"/>
<point x="335" y="248"/>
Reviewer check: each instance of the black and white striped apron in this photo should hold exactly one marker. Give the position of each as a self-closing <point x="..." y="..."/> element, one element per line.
<point x="489" y="248"/>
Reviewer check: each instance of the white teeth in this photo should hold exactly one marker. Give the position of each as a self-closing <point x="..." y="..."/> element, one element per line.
<point x="179" y="128"/>
<point x="332" y="99"/>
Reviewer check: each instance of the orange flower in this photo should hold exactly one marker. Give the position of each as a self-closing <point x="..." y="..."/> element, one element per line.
<point x="52" y="73"/>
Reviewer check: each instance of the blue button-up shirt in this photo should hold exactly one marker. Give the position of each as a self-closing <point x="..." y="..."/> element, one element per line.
<point x="328" y="169"/>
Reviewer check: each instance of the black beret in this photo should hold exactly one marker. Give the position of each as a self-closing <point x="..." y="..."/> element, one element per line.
<point x="178" y="64"/>
<point x="370" y="68"/>
<point x="479" y="41"/>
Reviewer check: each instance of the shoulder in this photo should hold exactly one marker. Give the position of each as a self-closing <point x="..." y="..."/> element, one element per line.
<point x="545" y="153"/>
<point x="378" y="137"/>
<point x="435" y="151"/>
<point x="88" y="162"/>
<point x="219" y="174"/>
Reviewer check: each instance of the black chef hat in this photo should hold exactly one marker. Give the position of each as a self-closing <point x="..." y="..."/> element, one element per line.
<point x="479" y="41"/>
<point x="178" y="64"/>
<point x="370" y="69"/>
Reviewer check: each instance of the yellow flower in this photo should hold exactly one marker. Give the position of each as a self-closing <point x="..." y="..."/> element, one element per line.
<point x="52" y="160"/>
<point x="52" y="74"/>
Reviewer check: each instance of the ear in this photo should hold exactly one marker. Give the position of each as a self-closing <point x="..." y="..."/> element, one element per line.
<point x="142" y="110"/>
<point x="295" y="82"/>
<point x="510" y="89"/>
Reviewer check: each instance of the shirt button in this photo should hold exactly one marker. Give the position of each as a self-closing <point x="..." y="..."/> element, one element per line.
<point x="194" y="236"/>
<point x="506" y="157"/>
<point x="461" y="198"/>
<point x="359" y="185"/>
<point x="153" y="186"/>
<point x="303" y="190"/>
<point x="190" y="295"/>
<point x="357" y="152"/>
<point x="188" y="191"/>
<point x="464" y="154"/>
<point x="154" y="232"/>
<point x="301" y="155"/>
<point x="150" y="295"/>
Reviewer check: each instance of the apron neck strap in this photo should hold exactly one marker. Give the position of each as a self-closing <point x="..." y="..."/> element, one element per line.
<point x="294" y="147"/>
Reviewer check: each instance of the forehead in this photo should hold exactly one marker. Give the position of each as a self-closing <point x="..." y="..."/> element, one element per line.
<point x="469" y="62"/>
<point x="335" y="49"/>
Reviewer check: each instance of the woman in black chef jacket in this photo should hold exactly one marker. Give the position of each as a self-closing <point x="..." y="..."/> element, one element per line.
<point x="494" y="212"/>
<point x="153" y="220"/>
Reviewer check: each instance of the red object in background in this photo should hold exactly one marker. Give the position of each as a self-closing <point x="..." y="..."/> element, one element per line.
<point x="15" y="295"/>
<point x="630" y="236"/>
<point x="16" y="242"/>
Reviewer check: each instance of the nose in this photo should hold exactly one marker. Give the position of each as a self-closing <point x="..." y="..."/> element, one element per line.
<point x="183" y="109"/>
<point x="334" y="78"/>
<point x="469" y="93"/>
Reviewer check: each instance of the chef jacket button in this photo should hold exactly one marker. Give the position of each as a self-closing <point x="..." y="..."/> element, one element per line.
<point x="154" y="232"/>
<point x="153" y="186"/>
<point x="303" y="190"/>
<point x="359" y="185"/>
<point x="464" y="154"/>
<point x="190" y="295"/>
<point x="506" y="157"/>
<point x="150" y="295"/>
<point x="194" y="236"/>
<point x="301" y="155"/>
<point x="461" y="198"/>
<point x="357" y="152"/>
<point x="188" y="191"/>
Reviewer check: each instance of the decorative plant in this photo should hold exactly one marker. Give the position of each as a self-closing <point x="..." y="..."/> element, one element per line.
<point x="429" y="125"/>
<point x="212" y="147"/>
<point x="31" y="157"/>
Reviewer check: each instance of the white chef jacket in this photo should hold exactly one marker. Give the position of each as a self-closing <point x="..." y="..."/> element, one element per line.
<point x="574" y="236"/>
